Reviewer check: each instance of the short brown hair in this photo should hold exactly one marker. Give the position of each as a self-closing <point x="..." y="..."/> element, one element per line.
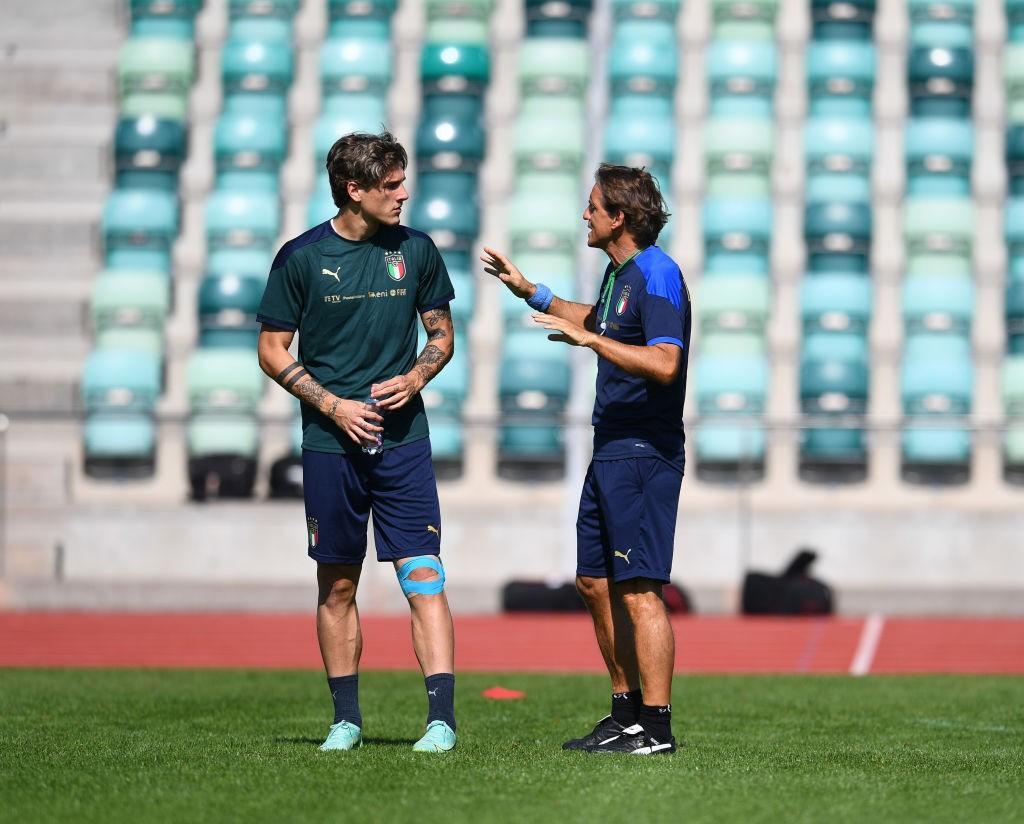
<point x="636" y="194"/>
<point x="366" y="159"/>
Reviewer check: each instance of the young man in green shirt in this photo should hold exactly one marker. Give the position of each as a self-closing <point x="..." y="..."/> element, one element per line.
<point x="354" y="289"/>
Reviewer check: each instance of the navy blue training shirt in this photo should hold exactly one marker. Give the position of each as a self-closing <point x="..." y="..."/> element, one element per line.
<point x="649" y="304"/>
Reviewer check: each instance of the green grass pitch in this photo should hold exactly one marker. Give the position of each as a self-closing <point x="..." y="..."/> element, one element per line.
<point x="198" y="746"/>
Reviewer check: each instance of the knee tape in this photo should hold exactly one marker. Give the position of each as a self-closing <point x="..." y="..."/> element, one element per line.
<point x="410" y="587"/>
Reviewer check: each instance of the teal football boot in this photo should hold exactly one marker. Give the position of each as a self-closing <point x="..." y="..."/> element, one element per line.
<point x="343" y="736"/>
<point x="439" y="737"/>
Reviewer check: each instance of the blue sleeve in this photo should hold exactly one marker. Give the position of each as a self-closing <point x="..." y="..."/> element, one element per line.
<point x="663" y="308"/>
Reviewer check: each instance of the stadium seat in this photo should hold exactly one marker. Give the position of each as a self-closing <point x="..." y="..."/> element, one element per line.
<point x="737" y="233"/>
<point x="256" y="76"/>
<point x="733" y="303"/>
<point x="838" y="236"/>
<point x="129" y="310"/>
<point x="1013" y="229"/>
<point x="554" y="66"/>
<point x="227" y="310"/>
<point x="743" y="19"/>
<point x="534" y="382"/>
<point x="172" y="19"/>
<point x="148" y="152"/>
<point x="155" y="75"/>
<point x="640" y="131"/>
<point x="738" y="154"/>
<point x="645" y="9"/>
<point x="1014" y="312"/>
<point x="834" y="391"/>
<point x="450" y="136"/>
<point x="222" y="455"/>
<point x="444" y="204"/>
<point x="939" y="234"/>
<point x="354" y="62"/>
<point x="1012" y="385"/>
<point x="559" y="20"/>
<point x="249" y="150"/>
<point x="454" y="68"/>
<point x="741" y="78"/>
<point x="545" y="214"/>
<point x="242" y="219"/>
<point x="835" y="302"/>
<point x="949" y="23"/>
<point x="838" y="152"/>
<point x="730" y="439"/>
<point x="1015" y="20"/>
<point x="832" y="20"/>
<point x="343" y="114"/>
<point x="547" y="141"/>
<point x="244" y="261"/>
<point x="139" y="226"/>
<point x="939" y="152"/>
<point x="941" y="80"/>
<point x="341" y="13"/>
<point x="718" y="343"/>
<point x="642" y="58"/>
<point x="840" y="78"/>
<point x="265" y="20"/>
<point x="120" y="380"/>
<point x="119" y="445"/>
<point x="1015" y="158"/>
<point x="937" y="303"/>
<point x="1013" y="74"/>
<point x="467" y="23"/>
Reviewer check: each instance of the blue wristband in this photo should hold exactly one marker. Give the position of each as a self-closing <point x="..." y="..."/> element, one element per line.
<point x="541" y="299"/>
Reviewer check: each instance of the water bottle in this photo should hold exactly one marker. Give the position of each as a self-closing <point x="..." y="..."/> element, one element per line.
<point x="375" y="447"/>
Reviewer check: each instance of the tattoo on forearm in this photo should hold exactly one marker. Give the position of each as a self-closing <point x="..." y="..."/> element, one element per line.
<point x="294" y="379"/>
<point x="288" y="370"/>
<point x="430" y="361"/>
<point x="310" y="391"/>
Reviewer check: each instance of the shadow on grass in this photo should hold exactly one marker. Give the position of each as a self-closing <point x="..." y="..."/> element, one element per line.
<point x="372" y="742"/>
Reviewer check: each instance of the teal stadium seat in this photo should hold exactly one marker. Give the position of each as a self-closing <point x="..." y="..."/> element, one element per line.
<point x="941" y="80"/>
<point x="154" y="77"/>
<point x="554" y="66"/>
<point x="242" y="219"/>
<point x="560" y="20"/>
<point x="444" y="204"/>
<point x="227" y="310"/>
<point x="1012" y="385"/>
<point x="224" y="380"/>
<point x="835" y="302"/>
<point x="1015" y="158"/>
<point x="938" y="303"/>
<point x="1014" y="311"/>
<point x="129" y="309"/>
<point x="455" y="68"/>
<point x="1015" y="20"/>
<point x="256" y="76"/>
<point x="640" y="131"/>
<point x="847" y="20"/>
<point x="545" y="140"/>
<point x="838" y="152"/>
<point x="666" y="10"/>
<point x="321" y="206"/>
<point x="148" y="152"/>
<point x="1013" y="231"/>
<point x="545" y="214"/>
<point x="746" y="344"/>
<point x="731" y="397"/>
<point x="341" y="13"/>
<point x="344" y="114"/>
<point x="356" y="61"/>
<point x="939" y="234"/>
<point x="743" y="19"/>
<point x="737" y="233"/>
<point x="948" y="23"/>
<point x="450" y="135"/>
<point x="173" y="19"/>
<point x="266" y="20"/>
<point x="840" y="78"/>
<point x="738" y="153"/>
<point x="642" y="58"/>
<point x="139" y="226"/>
<point x="248" y="151"/>
<point x="741" y="78"/>
<point x="939" y="152"/>
<point x="838" y="236"/>
<point x="244" y="261"/>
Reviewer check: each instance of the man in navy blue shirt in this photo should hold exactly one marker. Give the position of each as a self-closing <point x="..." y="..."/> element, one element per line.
<point x="640" y="330"/>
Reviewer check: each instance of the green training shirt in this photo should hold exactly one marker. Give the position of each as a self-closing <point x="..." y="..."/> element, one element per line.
<point x="356" y="307"/>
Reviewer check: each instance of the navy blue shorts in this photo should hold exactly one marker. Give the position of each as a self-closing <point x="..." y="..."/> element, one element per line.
<point x="627" y="521"/>
<point x="397" y="485"/>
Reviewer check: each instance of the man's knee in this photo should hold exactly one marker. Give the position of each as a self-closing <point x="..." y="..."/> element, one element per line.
<point x="592" y="589"/>
<point x="338" y="593"/>
<point x="422" y="575"/>
<point x="641" y="596"/>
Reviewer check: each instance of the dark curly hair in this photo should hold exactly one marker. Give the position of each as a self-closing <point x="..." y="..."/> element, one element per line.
<point x="364" y="158"/>
<point x="636" y="194"/>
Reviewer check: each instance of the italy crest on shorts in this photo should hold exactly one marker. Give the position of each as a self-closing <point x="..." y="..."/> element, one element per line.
<point x="396" y="265"/>
<point x="620" y="307"/>
<point x="313" y="528"/>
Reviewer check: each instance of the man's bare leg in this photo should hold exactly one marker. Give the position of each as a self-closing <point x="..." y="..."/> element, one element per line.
<point x="655" y="643"/>
<point x="337" y="618"/>
<point x="614" y="630"/>
<point x="433" y="636"/>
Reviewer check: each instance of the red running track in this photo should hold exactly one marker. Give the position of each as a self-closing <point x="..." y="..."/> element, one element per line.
<point x="538" y="643"/>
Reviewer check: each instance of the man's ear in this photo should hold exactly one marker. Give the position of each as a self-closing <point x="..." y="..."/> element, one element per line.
<point x="354" y="192"/>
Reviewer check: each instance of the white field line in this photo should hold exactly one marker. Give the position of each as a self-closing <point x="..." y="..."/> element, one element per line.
<point x="867" y="646"/>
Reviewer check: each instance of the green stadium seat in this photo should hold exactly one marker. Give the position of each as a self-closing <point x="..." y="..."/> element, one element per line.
<point x="468" y="31"/>
<point x="1013" y="76"/>
<point x="224" y="380"/>
<point x="731" y="397"/>
<point x="939" y="234"/>
<point x="734" y="303"/>
<point x="544" y="142"/>
<point x="148" y="152"/>
<point x="738" y="154"/>
<point x="222" y="452"/>
<point x="156" y="65"/>
<point x="545" y="214"/>
<point x="130" y="308"/>
<point x="731" y="384"/>
<point x="1015" y="158"/>
<point x="554" y="66"/>
<point x="242" y="219"/>
<point x="743" y="19"/>
<point x="227" y="310"/>
<point x="834" y="386"/>
<point x="320" y="206"/>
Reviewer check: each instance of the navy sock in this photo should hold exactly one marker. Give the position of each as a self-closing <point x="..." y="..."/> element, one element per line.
<point x="657" y="721"/>
<point x="441" y="698"/>
<point x="345" y="692"/>
<point x="626" y="707"/>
